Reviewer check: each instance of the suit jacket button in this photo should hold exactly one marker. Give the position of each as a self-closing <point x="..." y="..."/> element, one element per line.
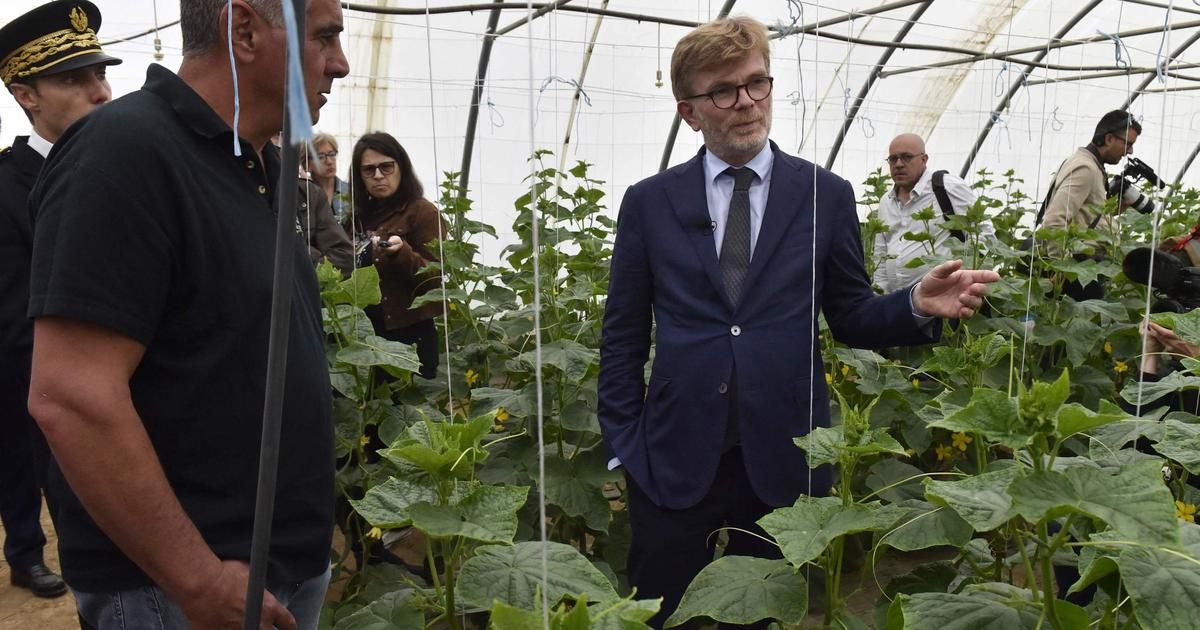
<point x="735" y="331"/>
<point x="722" y="388"/>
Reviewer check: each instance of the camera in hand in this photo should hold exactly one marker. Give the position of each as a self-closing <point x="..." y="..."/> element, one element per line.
<point x="1175" y="281"/>
<point x="1125" y="185"/>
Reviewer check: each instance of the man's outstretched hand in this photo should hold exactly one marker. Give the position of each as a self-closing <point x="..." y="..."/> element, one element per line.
<point x="950" y="291"/>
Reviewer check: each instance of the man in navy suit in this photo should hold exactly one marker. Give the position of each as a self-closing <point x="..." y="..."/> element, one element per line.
<point x="728" y="257"/>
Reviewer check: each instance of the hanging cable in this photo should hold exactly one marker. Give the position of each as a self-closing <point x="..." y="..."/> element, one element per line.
<point x="158" y="53"/>
<point x="237" y="97"/>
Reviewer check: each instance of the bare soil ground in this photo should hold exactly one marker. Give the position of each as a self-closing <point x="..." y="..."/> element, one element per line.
<point x="20" y="610"/>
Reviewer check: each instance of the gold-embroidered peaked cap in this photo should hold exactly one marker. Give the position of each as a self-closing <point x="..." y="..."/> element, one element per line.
<point x="55" y="37"/>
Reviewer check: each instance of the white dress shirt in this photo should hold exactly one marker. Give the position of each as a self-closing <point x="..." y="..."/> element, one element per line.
<point x="893" y="251"/>
<point x="39" y="144"/>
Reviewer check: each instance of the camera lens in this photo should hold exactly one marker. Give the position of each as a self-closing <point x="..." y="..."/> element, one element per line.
<point x="1131" y="196"/>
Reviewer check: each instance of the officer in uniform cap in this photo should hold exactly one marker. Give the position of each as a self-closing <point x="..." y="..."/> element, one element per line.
<point x="52" y="64"/>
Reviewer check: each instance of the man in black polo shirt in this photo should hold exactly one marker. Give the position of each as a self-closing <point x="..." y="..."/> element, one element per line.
<point x="151" y="289"/>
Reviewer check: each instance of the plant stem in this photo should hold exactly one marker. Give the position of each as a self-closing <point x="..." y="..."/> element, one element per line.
<point x="1050" y="596"/>
<point x="451" y="608"/>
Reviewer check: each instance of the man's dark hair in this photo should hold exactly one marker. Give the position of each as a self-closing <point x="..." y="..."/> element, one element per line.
<point x="410" y="186"/>
<point x="1114" y="122"/>
<point x="200" y="21"/>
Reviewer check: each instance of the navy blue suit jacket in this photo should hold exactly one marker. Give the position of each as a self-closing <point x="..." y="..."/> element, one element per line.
<point x="669" y="433"/>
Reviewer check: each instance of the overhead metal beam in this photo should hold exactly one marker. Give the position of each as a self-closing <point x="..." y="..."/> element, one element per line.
<point x="870" y="82"/>
<point x="1160" y="5"/>
<point x="1016" y="86"/>
<point x="1187" y="164"/>
<point x="1011" y="55"/>
<point x="1174" y="55"/>
<point x="1088" y="76"/>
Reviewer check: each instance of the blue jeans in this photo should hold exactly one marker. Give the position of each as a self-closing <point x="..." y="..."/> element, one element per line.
<point x="150" y="608"/>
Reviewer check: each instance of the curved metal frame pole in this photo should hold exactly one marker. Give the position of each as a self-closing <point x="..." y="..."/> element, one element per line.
<point x="870" y="82"/>
<point x="1150" y="79"/>
<point x="1016" y="87"/>
<point x="485" y="56"/>
<point x="277" y="346"/>
<point x="669" y="148"/>
<point x="1187" y="164"/>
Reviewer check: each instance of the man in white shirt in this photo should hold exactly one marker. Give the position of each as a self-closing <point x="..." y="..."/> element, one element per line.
<point x="915" y="190"/>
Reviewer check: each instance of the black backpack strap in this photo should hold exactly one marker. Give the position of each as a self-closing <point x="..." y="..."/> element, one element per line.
<point x="943" y="199"/>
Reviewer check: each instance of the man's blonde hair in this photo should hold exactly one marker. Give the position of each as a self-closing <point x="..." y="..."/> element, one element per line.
<point x="715" y="43"/>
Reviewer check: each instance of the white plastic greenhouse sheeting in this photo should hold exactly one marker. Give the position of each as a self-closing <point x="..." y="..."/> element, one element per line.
<point x="415" y="80"/>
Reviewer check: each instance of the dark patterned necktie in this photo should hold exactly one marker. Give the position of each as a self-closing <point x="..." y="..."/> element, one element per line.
<point x="735" y="246"/>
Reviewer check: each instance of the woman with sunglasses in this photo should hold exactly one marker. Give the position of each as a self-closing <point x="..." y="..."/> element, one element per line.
<point x="395" y="228"/>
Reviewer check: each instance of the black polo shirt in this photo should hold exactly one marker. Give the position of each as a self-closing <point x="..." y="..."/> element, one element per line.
<point x="146" y="223"/>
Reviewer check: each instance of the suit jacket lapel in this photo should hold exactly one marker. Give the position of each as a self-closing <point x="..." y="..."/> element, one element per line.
<point x="28" y="160"/>
<point x="687" y="195"/>
<point x="790" y="196"/>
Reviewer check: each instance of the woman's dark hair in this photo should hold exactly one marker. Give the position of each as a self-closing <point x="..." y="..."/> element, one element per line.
<point x="410" y="186"/>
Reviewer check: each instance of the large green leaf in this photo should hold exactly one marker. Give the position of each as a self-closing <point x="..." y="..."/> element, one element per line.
<point x="902" y="481"/>
<point x="442" y="449"/>
<point x="398" y="610"/>
<point x="574" y="485"/>
<point x="808" y="526"/>
<point x="386" y="505"/>
<point x="1165" y="583"/>
<point x="518" y="403"/>
<point x="1153" y="390"/>
<point x="360" y="290"/>
<point x="375" y="350"/>
<point x="992" y="413"/>
<point x="923" y="525"/>
<point x="571" y="358"/>
<point x="981" y="500"/>
<point x="742" y="590"/>
<point x="1075" y="418"/>
<point x="825" y="445"/>
<point x="488" y="514"/>
<point x="513" y="575"/>
<point x="624" y="614"/>
<point x="1134" y="502"/>
<point x="1182" y="444"/>
<point x="981" y="610"/>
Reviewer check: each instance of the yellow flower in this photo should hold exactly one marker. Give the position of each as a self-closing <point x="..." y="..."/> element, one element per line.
<point x="944" y="453"/>
<point x="909" y="452"/>
<point x="472" y="377"/>
<point x="1120" y="367"/>
<point x="828" y="378"/>
<point x="375" y="533"/>
<point x="363" y="441"/>
<point x="453" y="306"/>
<point x="845" y="370"/>
<point x="1185" y="511"/>
<point x="502" y="414"/>
<point x="961" y="440"/>
<point x="1107" y="347"/>
<point x="916" y="384"/>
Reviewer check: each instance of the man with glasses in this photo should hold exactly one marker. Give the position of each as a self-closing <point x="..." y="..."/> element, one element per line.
<point x="915" y="188"/>
<point x="727" y="258"/>
<point x="1080" y="185"/>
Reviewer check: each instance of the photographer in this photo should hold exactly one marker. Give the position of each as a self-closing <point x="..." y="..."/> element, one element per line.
<point x="1080" y="187"/>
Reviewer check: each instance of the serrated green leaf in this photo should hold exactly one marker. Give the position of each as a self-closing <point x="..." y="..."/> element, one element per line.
<point x="386" y="505"/>
<point x="1181" y="442"/>
<point x="488" y="514"/>
<point x="1075" y="418"/>
<point x="808" y="526"/>
<point x="571" y="358"/>
<point x="394" y="611"/>
<point x="904" y="479"/>
<point x="575" y="487"/>
<point x="513" y="575"/>
<point x="981" y="500"/>
<point x="360" y="290"/>
<point x="923" y="525"/>
<point x="1153" y="390"/>
<point x="1164" y="583"/>
<point x="1134" y="502"/>
<point x="395" y="357"/>
<point x="742" y="590"/>
<point x="442" y="449"/>
<point x="992" y="413"/>
<point x="825" y="445"/>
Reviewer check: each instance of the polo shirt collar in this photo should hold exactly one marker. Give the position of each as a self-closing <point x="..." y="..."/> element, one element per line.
<point x="192" y="109"/>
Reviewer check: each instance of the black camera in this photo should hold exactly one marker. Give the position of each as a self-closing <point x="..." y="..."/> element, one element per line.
<point x="1175" y="281"/>
<point x="1125" y="185"/>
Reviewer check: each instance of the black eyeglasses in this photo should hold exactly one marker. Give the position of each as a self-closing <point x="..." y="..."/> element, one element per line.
<point x="326" y="155"/>
<point x="901" y="158"/>
<point x="383" y="168"/>
<point x="757" y="89"/>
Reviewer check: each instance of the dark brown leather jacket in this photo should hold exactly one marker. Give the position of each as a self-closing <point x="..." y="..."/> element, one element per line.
<point x="418" y="224"/>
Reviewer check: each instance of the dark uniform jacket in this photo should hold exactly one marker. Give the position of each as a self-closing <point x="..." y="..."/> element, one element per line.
<point x="19" y="168"/>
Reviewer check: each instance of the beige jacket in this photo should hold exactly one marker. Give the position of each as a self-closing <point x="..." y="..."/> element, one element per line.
<point x="1079" y="194"/>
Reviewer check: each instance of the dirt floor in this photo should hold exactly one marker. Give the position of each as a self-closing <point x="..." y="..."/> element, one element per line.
<point x="20" y="610"/>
